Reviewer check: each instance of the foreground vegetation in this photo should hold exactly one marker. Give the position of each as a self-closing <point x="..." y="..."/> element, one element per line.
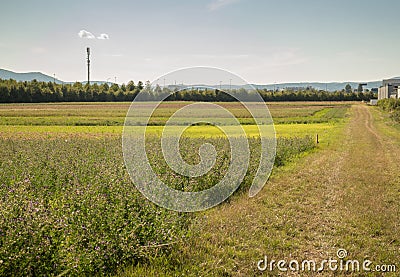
<point x="69" y="207"/>
<point x="69" y="204"/>
<point x="392" y="106"/>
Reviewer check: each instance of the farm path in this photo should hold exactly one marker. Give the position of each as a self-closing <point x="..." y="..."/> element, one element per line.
<point x="344" y="196"/>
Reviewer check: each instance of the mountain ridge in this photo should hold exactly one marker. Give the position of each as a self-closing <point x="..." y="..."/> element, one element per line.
<point x="330" y="86"/>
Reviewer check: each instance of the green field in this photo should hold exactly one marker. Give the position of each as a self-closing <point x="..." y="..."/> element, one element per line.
<point x="68" y="205"/>
<point x="92" y="119"/>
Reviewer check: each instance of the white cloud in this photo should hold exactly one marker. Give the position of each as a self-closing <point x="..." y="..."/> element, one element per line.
<point x="85" y="34"/>
<point x="103" y="36"/>
<point x="217" y="4"/>
<point x="89" y="35"/>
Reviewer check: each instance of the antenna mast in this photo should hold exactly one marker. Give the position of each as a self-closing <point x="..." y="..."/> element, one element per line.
<point x="88" y="64"/>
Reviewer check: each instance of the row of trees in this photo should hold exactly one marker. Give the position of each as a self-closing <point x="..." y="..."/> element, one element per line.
<point x="12" y="91"/>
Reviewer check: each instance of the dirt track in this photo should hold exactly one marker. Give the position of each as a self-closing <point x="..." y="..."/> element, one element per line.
<point x="346" y="196"/>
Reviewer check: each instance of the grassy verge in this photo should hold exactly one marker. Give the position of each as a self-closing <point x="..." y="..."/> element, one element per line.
<point x="385" y="123"/>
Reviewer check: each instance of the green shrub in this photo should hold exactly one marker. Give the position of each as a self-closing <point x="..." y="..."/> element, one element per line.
<point x="391" y="106"/>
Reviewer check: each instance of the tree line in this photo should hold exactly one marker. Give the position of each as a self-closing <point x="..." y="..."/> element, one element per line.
<point x="12" y="91"/>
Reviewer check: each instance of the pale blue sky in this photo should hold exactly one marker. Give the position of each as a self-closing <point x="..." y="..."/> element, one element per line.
<point x="262" y="41"/>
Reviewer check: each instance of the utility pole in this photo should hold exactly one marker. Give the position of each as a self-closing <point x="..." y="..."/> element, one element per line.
<point x="88" y="65"/>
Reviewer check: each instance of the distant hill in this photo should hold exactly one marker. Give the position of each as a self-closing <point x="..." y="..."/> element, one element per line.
<point x="333" y="86"/>
<point x="26" y="76"/>
<point x="29" y="76"/>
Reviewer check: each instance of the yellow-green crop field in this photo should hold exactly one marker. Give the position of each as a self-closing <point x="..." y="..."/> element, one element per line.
<point x="96" y="119"/>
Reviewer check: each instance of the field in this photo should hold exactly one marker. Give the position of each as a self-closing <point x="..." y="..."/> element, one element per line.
<point x="93" y="119"/>
<point x="113" y="114"/>
<point x="69" y="207"/>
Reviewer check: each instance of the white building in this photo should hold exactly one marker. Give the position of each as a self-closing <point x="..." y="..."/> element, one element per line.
<point x="389" y="89"/>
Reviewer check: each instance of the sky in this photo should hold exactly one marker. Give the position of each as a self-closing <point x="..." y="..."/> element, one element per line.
<point x="264" y="42"/>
